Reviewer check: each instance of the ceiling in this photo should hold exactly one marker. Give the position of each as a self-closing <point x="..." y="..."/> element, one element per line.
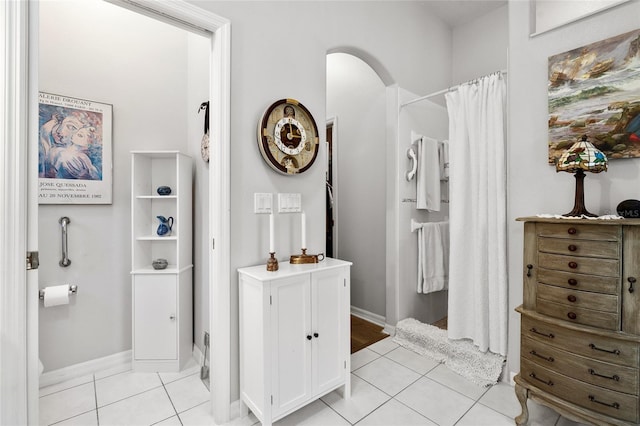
<point x="459" y="12"/>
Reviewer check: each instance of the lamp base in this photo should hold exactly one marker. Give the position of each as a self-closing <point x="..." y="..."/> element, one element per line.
<point x="577" y="212"/>
<point x="578" y="206"/>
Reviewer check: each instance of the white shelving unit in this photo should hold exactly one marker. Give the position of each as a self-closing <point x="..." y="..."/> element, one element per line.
<point x="162" y="301"/>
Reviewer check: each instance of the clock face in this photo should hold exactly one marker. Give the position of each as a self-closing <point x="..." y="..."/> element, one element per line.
<point x="288" y="137"/>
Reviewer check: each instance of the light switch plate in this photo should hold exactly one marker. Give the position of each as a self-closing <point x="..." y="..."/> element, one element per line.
<point x="262" y="202"/>
<point x="289" y="203"/>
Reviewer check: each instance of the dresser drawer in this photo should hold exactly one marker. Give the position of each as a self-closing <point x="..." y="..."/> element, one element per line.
<point x="574" y="314"/>
<point x="594" y="283"/>
<point x="610" y="376"/>
<point x="580" y="232"/>
<point x="615" y="404"/>
<point x="615" y="351"/>
<point x="578" y="298"/>
<point x="576" y="247"/>
<point x="581" y="265"/>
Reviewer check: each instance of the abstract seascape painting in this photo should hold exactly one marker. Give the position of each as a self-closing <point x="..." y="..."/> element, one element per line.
<point x="594" y="90"/>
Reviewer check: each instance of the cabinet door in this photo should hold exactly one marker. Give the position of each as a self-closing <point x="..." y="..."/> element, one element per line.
<point x="154" y="317"/>
<point x="291" y="341"/>
<point x="330" y="327"/>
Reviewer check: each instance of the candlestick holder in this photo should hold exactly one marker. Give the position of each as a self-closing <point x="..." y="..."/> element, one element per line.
<point x="306" y="258"/>
<point x="272" y="262"/>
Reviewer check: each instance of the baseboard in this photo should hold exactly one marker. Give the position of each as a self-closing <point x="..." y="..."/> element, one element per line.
<point x="120" y="360"/>
<point x="389" y="329"/>
<point x="53" y="377"/>
<point x="368" y="316"/>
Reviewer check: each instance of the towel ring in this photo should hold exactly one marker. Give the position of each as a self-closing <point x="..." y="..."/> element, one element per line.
<point x="414" y="164"/>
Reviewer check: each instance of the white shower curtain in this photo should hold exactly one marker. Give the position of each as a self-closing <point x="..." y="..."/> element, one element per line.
<point x="478" y="293"/>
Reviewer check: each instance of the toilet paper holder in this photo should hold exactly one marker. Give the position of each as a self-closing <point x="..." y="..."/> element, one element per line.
<point x="73" y="289"/>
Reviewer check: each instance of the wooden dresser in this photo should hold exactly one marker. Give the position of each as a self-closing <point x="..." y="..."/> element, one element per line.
<point x="580" y="319"/>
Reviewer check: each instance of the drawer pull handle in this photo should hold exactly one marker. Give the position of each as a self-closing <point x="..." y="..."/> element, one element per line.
<point x="632" y="281"/>
<point x="572" y="247"/>
<point x="573" y="265"/>
<point x="572" y="231"/>
<point x="572" y="281"/>
<point x="546" y="358"/>
<point x="571" y="298"/>
<point x="546" y="382"/>
<point x="529" y="267"/>
<point x="614" y="377"/>
<point x="595" y="348"/>
<point x="614" y="405"/>
<point x="550" y="335"/>
<point x="572" y="315"/>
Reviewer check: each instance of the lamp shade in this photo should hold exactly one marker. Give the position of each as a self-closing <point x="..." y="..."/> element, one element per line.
<point x="582" y="156"/>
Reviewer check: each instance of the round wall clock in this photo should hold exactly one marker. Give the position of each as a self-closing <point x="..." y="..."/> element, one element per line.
<point x="288" y="137"/>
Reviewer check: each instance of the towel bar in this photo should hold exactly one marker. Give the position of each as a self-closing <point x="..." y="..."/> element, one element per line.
<point x="413" y="200"/>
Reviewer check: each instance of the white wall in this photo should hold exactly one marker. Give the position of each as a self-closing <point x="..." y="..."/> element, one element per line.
<point x="480" y="46"/>
<point x="356" y="97"/>
<point x="271" y="61"/>
<point x="97" y="51"/>
<point x="534" y="185"/>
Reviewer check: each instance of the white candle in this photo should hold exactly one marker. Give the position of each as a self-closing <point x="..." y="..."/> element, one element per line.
<point x="304" y="231"/>
<point x="271" y="234"/>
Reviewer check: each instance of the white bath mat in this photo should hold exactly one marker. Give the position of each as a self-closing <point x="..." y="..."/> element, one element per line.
<point x="461" y="356"/>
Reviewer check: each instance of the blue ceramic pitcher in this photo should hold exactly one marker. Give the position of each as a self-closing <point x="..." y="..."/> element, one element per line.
<point x="164" y="228"/>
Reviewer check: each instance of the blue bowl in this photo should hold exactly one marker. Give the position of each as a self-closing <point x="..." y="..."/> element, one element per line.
<point x="164" y="190"/>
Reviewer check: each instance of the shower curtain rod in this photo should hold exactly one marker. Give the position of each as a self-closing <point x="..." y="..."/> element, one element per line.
<point x="440" y="92"/>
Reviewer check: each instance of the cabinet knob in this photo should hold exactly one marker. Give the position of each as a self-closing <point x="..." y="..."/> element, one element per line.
<point x="572" y="231"/>
<point x="309" y="337"/>
<point x="572" y="247"/>
<point x="572" y="281"/>
<point x="572" y="315"/>
<point x="572" y="298"/>
<point x="573" y="265"/>
<point x="316" y="335"/>
<point x="172" y="317"/>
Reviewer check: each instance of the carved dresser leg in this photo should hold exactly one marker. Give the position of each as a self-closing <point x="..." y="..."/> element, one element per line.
<point x="521" y="394"/>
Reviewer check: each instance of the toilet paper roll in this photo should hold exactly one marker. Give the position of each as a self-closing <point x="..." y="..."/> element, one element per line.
<point x="56" y="295"/>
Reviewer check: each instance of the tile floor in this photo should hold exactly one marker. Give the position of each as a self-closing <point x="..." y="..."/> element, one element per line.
<point x="390" y="386"/>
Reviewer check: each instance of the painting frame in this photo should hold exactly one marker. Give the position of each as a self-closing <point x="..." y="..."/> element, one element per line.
<point x="75" y="150"/>
<point x="594" y="90"/>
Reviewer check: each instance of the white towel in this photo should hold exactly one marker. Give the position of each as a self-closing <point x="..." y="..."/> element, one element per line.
<point x="433" y="256"/>
<point x="428" y="180"/>
<point x="443" y="154"/>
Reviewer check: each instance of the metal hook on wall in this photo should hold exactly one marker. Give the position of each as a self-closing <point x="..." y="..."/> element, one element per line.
<point x="65" y="261"/>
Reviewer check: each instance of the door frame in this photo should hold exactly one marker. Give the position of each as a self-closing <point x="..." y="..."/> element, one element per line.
<point x="18" y="199"/>
<point x="15" y="398"/>
<point x="333" y="122"/>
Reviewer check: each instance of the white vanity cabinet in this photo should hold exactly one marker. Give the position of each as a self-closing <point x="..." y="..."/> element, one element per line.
<point x="294" y="336"/>
<point x="161" y="298"/>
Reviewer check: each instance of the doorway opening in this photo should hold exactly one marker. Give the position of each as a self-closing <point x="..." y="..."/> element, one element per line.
<point x="218" y="31"/>
<point x="330" y="202"/>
